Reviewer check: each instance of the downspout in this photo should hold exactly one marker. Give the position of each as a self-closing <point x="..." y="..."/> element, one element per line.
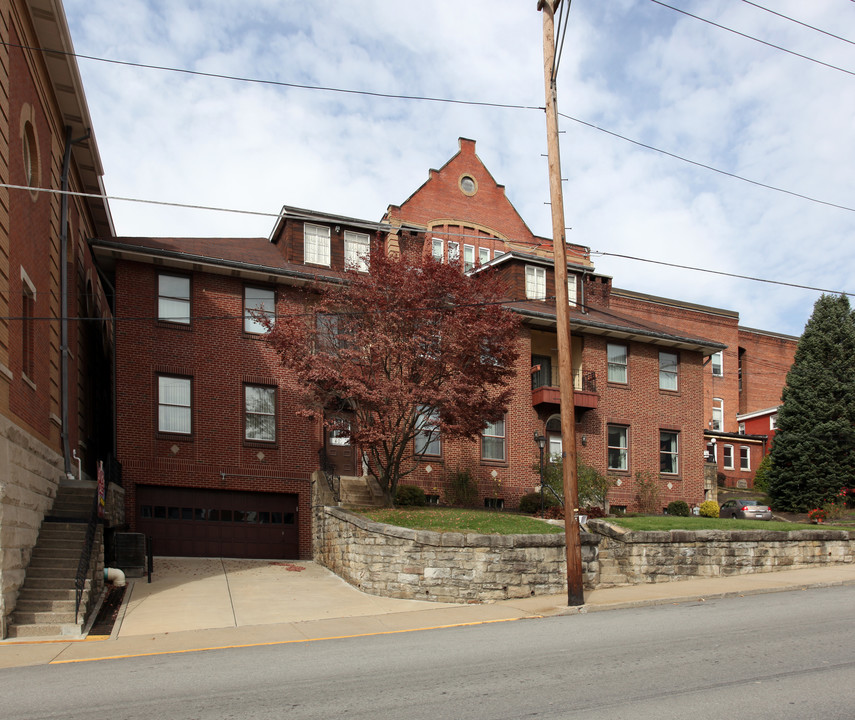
<point x="63" y="291"/>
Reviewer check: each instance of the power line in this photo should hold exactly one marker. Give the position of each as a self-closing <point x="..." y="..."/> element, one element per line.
<point x="722" y="272"/>
<point x="708" y="167"/>
<point x="757" y="40"/>
<point x="798" y="22"/>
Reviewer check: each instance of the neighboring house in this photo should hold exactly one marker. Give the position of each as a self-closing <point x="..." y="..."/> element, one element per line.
<point x="55" y="322"/>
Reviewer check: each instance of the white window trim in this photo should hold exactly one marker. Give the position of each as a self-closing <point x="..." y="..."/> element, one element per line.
<point x="483" y="255"/>
<point x="720" y="356"/>
<point x="163" y="421"/>
<point x="357" y="249"/>
<point x="248" y="412"/>
<point x="494" y="436"/>
<point x="571" y="290"/>
<point x="181" y="300"/>
<point x="624" y="449"/>
<point x="437" y="244"/>
<point x="453" y="252"/>
<point x="727" y="463"/>
<point x="675" y="454"/>
<point x="468" y="257"/>
<point x="616" y="365"/>
<point x="746" y="465"/>
<point x="429" y="439"/>
<point x="773" y="421"/>
<point x="316" y="252"/>
<point x="717" y="411"/>
<point x="535" y="282"/>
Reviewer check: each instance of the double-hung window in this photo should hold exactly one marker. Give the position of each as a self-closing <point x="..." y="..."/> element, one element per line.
<point x="571" y="290"/>
<point x="717" y="414"/>
<point x="427" y="440"/>
<point x="260" y="413"/>
<point x="744" y="458"/>
<point x="316" y="244"/>
<point x="356" y="250"/>
<point x="668" y="452"/>
<point x="453" y="252"/>
<point x="716" y="362"/>
<point x="667" y="371"/>
<point x="535" y="282"/>
<point x="493" y="441"/>
<point x="618" y="447"/>
<point x="259" y="304"/>
<point x="618" y="363"/>
<point x="174" y="404"/>
<point x="483" y="255"/>
<point x="468" y="257"/>
<point x="173" y="298"/>
<point x="727" y="457"/>
<point x="437" y="251"/>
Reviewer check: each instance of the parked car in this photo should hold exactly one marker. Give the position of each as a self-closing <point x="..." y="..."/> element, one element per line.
<point x="745" y="510"/>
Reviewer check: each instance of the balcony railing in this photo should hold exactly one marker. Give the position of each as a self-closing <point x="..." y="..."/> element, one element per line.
<point x="545" y="388"/>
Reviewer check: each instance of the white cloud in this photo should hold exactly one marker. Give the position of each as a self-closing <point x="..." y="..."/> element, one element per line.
<point x="635" y="68"/>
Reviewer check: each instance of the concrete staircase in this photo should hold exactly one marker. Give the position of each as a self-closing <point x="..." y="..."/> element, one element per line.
<point x="45" y="605"/>
<point x="360" y="491"/>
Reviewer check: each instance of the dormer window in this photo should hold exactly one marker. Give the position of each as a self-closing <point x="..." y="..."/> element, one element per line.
<point x="316" y="244"/>
<point x="356" y="250"/>
<point x="535" y="282"/>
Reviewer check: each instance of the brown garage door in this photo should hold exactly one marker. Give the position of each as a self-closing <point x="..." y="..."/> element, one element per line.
<point x="217" y="523"/>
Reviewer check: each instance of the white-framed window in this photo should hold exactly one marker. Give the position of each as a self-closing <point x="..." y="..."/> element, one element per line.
<point x="316" y="244"/>
<point x="356" y="250"/>
<point x="493" y="441"/>
<point x="535" y="282"/>
<point x="571" y="290"/>
<point x="483" y="255"/>
<point x="453" y="251"/>
<point x="717" y="363"/>
<point x="727" y="457"/>
<point x="669" y="452"/>
<point x="717" y="414"/>
<point x="618" y="363"/>
<point x="744" y="457"/>
<point x="498" y="253"/>
<point x="668" y="370"/>
<point x="468" y="257"/>
<point x="173" y="404"/>
<point x="742" y="428"/>
<point x="173" y="298"/>
<point x="437" y="249"/>
<point x="427" y="440"/>
<point x="773" y="421"/>
<point x="260" y="413"/>
<point x="618" y="447"/>
<point x="258" y="304"/>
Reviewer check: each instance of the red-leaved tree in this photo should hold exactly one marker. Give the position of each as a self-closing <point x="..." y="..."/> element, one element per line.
<point x="414" y="349"/>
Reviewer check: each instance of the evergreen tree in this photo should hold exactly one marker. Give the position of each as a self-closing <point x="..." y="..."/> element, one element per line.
<point x="813" y="453"/>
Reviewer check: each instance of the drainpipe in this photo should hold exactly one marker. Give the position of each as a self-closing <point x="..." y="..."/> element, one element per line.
<point x="63" y="291"/>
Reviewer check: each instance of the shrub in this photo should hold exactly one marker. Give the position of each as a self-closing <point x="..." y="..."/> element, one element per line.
<point x="647" y="489"/>
<point x="410" y="495"/>
<point x="464" y="490"/>
<point x="761" y="476"/>
<point x="709" y="508"/>
<point x="530" y="502"/>
<point x="593" y="511"/>
<point x="680" y="508"/>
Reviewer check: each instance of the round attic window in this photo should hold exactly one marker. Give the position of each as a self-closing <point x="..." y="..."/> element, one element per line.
<point x="468" y="185"/>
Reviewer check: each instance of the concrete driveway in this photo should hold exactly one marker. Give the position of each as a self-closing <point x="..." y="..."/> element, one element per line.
<point x="207" y="593"/>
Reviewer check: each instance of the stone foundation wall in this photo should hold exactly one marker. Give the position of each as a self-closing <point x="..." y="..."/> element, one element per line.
<point x="29" y="475"/>
<point x="444" y="567"/>
<point x="646" y="557"/>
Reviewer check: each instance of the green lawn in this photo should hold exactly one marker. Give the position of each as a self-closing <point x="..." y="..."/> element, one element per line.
<point x="484" y="522"/>
<point x="668" y="522"/>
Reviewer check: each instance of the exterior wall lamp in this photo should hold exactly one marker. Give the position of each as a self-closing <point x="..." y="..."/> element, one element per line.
<point x="541" y="443"/>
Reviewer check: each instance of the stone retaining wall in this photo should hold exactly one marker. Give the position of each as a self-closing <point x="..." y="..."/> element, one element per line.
<point x="444" y="567"/>
<point x="628" y="557"/>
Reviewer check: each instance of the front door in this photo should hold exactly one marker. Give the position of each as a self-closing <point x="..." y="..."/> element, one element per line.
<point x="340" y="449"/>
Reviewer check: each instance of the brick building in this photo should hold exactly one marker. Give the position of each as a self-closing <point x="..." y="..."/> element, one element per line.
<point x="216" y="459"/>
<point x="55" y="327"/>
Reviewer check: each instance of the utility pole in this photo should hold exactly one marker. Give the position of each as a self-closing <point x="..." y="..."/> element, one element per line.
<point x="575" y="594"/>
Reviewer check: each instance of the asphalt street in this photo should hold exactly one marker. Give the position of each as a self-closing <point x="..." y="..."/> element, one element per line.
<point x="784" y="655"/>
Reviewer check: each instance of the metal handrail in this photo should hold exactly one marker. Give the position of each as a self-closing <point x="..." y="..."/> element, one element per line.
<point x="85" y="556"/>
<point x="332" y="478"/>
<point x="582" y="381"/>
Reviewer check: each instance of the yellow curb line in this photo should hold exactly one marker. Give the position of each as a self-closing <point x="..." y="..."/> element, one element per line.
<point x="286" y="642"/>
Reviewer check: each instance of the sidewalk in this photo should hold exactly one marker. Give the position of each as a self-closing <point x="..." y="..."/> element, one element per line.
<point x="195" y="604"/>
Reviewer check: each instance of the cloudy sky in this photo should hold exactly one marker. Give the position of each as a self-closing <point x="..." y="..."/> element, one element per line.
<point x="633" y="68"/>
